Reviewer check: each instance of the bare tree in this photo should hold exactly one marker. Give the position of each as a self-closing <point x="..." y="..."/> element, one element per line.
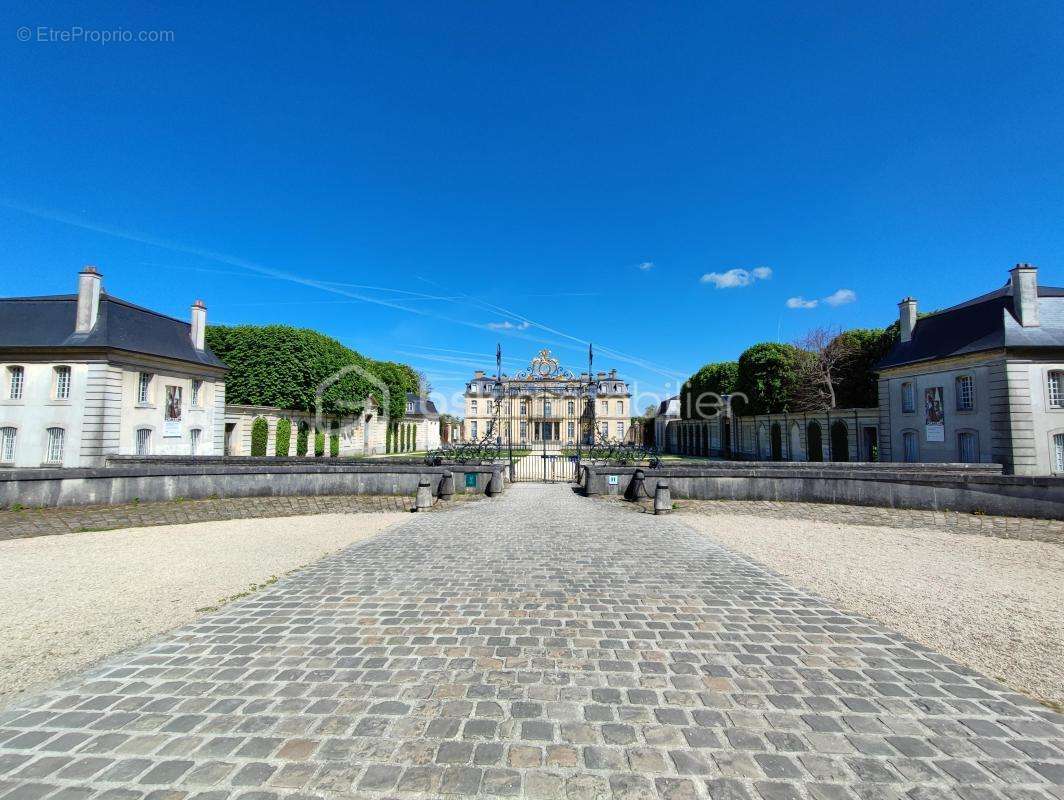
<point x="823" y="352"/>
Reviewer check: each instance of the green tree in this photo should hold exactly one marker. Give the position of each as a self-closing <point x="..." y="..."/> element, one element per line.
<point x="260" y="434"/>
<point x="319" y="444"/>
<point x="699" y="392"/>
<point x="856" y="382"/>
<point x="767" y="375"/>
<point x="302" y="434"/>
<point x="282" y="366"/>
<point x="283" y="436"/>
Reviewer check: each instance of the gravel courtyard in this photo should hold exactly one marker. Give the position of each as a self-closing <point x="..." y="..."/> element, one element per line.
<point x="538" y="645"/>
<point x="67" y="601"/>
<point x="994" y="604"/>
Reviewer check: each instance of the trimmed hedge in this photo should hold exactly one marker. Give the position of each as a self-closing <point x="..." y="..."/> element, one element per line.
<point x="282" y="366"/>
<point x="334" y="445"/>
<point x="302" y="435"/>
<point x="283" y="437"/>
<point x="319" y="444"/>
<point x="713" y="379"/>
<point x="260" y="434"/>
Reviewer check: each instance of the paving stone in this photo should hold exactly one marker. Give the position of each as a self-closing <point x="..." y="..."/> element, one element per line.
<point x="537" y="644"/>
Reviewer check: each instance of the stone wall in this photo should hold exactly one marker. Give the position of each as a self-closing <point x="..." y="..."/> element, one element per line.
<point x="980" y="488"/>
<point x="127" y="480"/>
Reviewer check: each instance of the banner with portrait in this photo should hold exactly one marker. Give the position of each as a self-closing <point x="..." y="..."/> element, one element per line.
<point x="934" y="415"/>
<point x="172" y="412"/>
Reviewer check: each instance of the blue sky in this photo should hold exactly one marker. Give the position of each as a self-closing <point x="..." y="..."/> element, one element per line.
<point x="423" y="180"/>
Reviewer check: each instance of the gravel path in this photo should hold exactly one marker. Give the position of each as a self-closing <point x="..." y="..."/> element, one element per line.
<point x="67" y="601"/>
<point x="994" y="604"/>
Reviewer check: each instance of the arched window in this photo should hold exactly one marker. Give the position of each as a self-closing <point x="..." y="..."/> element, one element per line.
<point x="7" y="444"/>
<point x="968" y="447"/>
<point x="1056" y="388"/>
<point x="16" y="379"/>
<point x="143" y="442"/>
<point x="777" y="442"/>
<point x="795" y="444"/>
<point x="62" y="383"/>
<point x="964" y="388"/>
<point x="910" y="447"/>
<point x="908" y="398"/>
<point x="840" y="441"/>
<point x="53" y="453"/>
<point x="814" y="441"/>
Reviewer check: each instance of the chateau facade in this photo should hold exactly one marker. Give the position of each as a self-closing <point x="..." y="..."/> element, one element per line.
<point x="546" y="406"/>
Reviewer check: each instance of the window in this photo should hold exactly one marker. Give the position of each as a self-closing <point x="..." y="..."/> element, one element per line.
<point x="143" y="442"/>
<point x="7" y="444"/>
<point x="571" y="431"/>
<point x="908" y="398"/>
<point x="1056" y="389"/>
<point x="524" y="430"/>
<point x="546" y="408"/>
<point x="524" y="408"/>
<point x="967" y="448"/>
<point x="1058" y="452"/>
<point x="144" y="388"/>
<point x="196" y="386"/>
<point x="605" y="407"/>
<point x="62" y="383"/>
<point x="571" y="408"/>
<point x="473" y="407"/>
<point x="620" y="408"/>
<point x="54" y="453"/>
<point x="965" y="393"/>
<point x="620" y="430"/>
<point x="605" y="430"/>
<point x="16" y="377"/>
<point x="473" y="429"/>
<point x="193" y="441"/>
<point x="908" y="442"/>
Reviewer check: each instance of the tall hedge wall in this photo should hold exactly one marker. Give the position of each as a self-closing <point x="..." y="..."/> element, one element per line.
<point x="282" y="366"/>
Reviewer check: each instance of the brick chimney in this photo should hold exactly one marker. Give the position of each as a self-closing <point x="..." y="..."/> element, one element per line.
<point x="907" y="318"/>
<point x="1024" y="281"/>
<point x="478" y="373"/>
<point x="89" y="286"/>
<point x="198" y="331"/>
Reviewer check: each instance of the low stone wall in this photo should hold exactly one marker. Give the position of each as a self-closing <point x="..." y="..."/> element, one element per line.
<point x="979" y="488"/>
<point x="127" y="480"/>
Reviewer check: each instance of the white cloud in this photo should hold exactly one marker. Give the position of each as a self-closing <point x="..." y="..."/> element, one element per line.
<point x="801" y="302"/>
<point x="508" y="326"/>
<point x="737" y="277"/>
<point x="841" y="297"/>
<point x="646" y="266"/>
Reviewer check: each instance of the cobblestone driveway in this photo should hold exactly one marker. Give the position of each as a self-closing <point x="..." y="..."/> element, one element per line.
<point x="536" y="645"/>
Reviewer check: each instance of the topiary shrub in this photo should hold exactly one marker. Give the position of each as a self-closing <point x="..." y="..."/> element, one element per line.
<point x="319" y="444"/>
<point x="302" y="436"/>
<point x="334" y="445"/>
<point x="283" y="437"/>
<point x="260" y="434"/>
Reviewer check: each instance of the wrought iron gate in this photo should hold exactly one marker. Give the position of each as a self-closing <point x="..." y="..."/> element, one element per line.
<point x="544" y="467"/>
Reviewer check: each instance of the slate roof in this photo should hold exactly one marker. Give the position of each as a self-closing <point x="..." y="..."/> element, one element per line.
<point x="983" y="323"/>
<point x="422" y="406"/>
<point x="48" y="323"/>
<point x="669" y="407"/>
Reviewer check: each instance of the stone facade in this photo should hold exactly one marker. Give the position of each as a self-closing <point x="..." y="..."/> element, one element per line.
<point x="980" y="382"/>
<point x="551" y="411"/>
<point x="86" y="376"/>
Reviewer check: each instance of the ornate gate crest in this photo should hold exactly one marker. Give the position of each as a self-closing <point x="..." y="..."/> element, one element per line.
<point x="544" y="367"/>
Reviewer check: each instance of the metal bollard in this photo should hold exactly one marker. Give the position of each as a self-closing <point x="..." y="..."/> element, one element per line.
<point x="662" y="499"/>
<point x="423" y="502"/>
<point x="447" y="486"/>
